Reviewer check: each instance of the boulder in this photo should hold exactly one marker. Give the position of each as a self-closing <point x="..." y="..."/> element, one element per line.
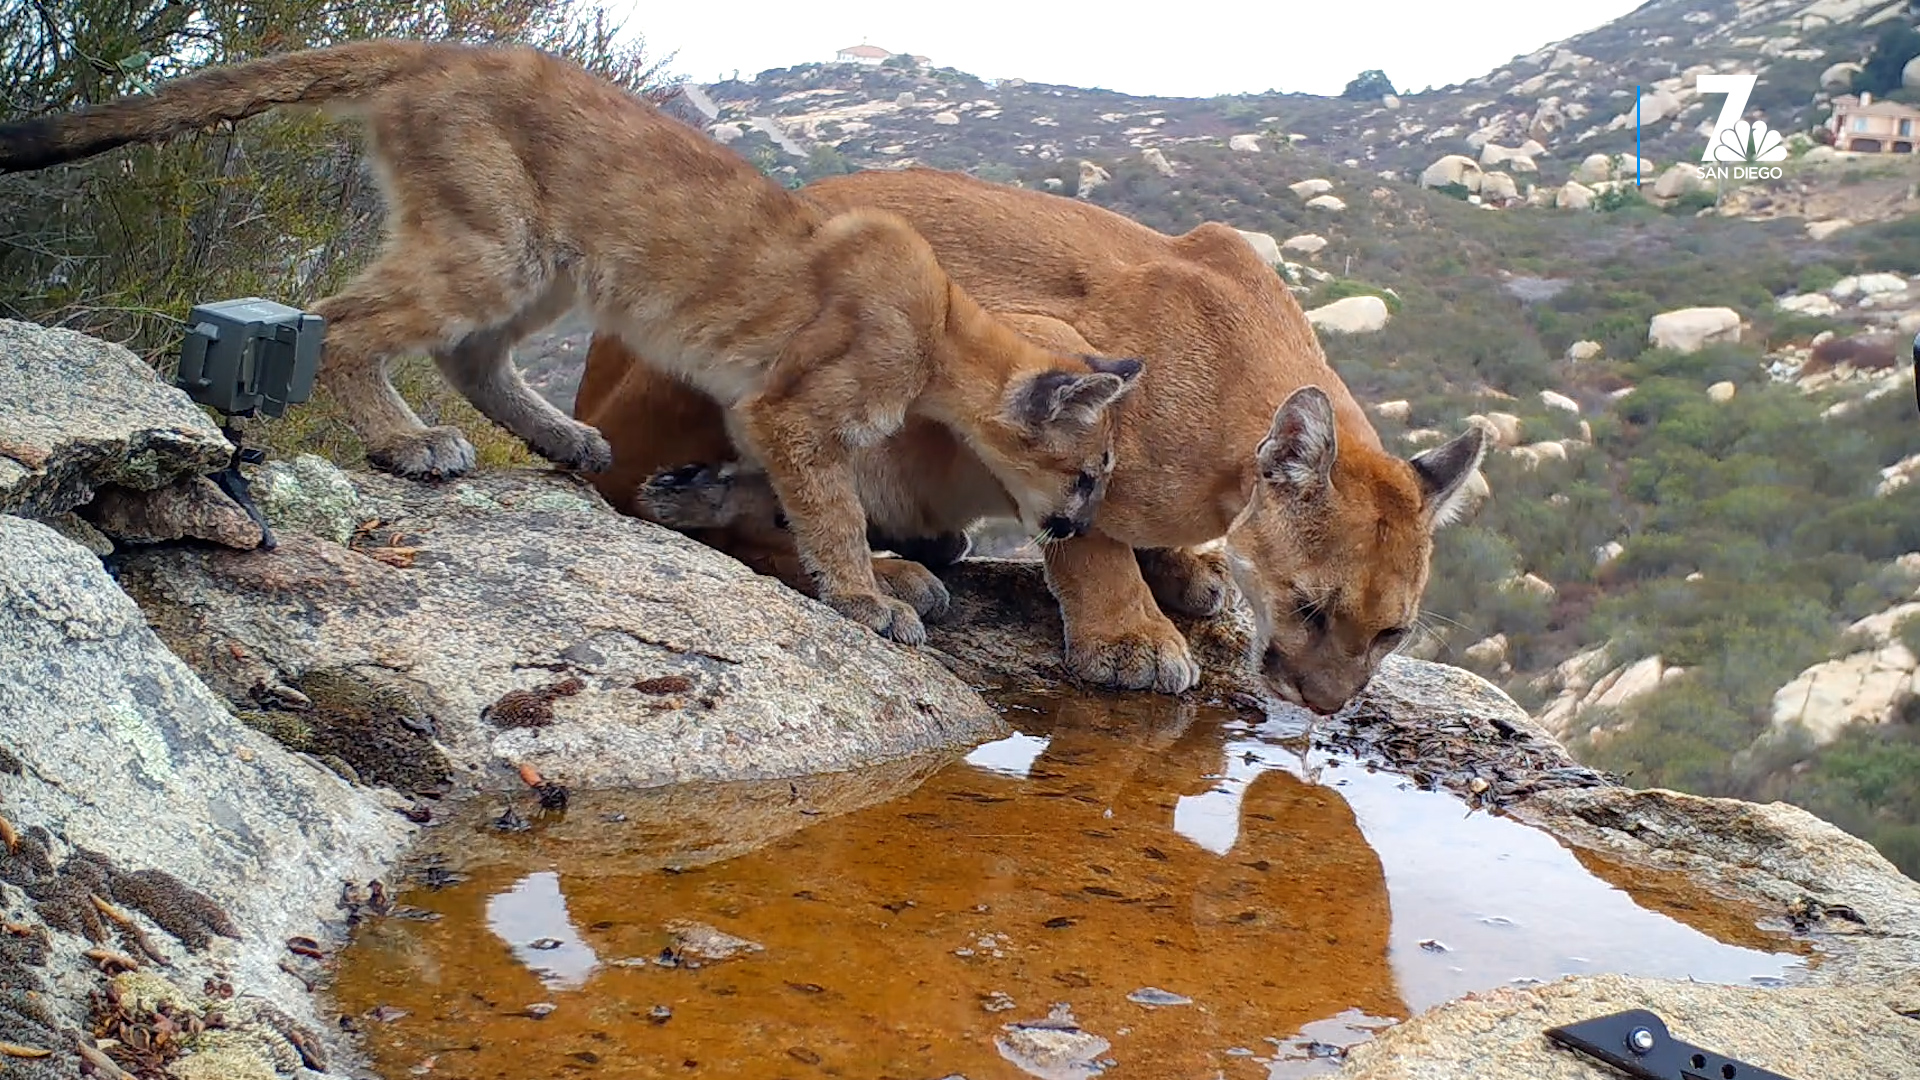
<point x="1305" y="243"/>
<point x="1157" y="161"/>
<point x="1351" y="315"/>
<point x="1574" y="196"/>
<point x="1877" y="284"/>
<point x="1910" y="74"/>
<point x="1452" y="169"/>
<point x="1721" y="392"/>
<point x="121" y="763"/>
<point x="1487" y="652"/>
<point x="1330" y="203"/>
<point x="78" y="414"/>
<point x="1594" y="168"/>
<point x="1394" y="410"/>
<point x="1816" y="304"/>
<point x="1554" y="399"/>
<point x="1246" y="144"/>
<point x="1583" y="350"/>
<point x="1679" y="179"/>
<point x="1498" y="187"/>
<point x="1690" y="329"/>
<point x="1263" y="245"/>
<point x="1307" y="189"/>
<point x="508" y="586"/>
<point x="1503" y="429"/>
<point x="1091" y="177"/>
<point x="1627" y="166"/>
<point x="1839" y="76"/>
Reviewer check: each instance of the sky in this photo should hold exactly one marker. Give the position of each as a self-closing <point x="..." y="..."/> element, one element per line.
<point x="1168" y="49"/>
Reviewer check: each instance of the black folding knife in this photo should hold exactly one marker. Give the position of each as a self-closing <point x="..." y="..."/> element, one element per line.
<point x="1637" y="1043"/>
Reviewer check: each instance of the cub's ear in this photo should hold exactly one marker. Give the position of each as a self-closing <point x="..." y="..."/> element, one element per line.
<point x="1297" y="454"/>
<point x="1068" y="399"/>
<point x="1127" y="368"/>
<point x="1446" y="472"/>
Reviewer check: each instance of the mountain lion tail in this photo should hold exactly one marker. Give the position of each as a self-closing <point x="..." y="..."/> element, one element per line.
<point x="226" y="93"/>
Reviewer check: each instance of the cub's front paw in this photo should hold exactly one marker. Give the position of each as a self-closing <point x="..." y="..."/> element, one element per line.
<point x="689" y="497"/>
<point x="436" y="453"/>
<point x="890" y="618"/>
<point x="578" y="447"/>
<point x="906" y="580"/>
<point x="1187" y="582"/>
<point x="1151" y="657"/>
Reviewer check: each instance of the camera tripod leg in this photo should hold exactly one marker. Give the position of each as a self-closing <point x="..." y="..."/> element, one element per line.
<point x="234" y="483"/>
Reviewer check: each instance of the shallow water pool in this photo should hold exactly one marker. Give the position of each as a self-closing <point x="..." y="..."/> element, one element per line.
<point x="1122" y="888"/>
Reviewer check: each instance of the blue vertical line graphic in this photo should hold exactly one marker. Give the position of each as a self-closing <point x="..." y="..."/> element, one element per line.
<point x="1636" y="136"/>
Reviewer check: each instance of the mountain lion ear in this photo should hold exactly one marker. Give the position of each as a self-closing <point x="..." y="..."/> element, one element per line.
<point x="1444" y="472"/>
<point x="1126" y="367"/>
<point x="1063" y="399"/>
<point x="1297" y="454"/>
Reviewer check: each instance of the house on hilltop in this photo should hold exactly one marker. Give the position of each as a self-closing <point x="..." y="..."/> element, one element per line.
<point x="874" y="56"/>
<point x="1866" y="126"/>
<point x="862" y="53"/>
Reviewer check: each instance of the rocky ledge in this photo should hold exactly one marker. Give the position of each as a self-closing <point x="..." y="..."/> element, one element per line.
<point x="210" y="755"/>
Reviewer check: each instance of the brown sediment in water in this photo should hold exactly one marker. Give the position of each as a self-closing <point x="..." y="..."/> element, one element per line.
<point x="906" y="916"/>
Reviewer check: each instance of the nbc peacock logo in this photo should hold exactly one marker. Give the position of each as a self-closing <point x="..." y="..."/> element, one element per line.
<point x="1749" y="142"/>
<point x="1738" y="148"/>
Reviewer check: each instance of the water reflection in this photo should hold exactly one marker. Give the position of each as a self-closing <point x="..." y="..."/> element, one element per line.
<point x="531" y="917"/>
<point x="1158" y="891"/>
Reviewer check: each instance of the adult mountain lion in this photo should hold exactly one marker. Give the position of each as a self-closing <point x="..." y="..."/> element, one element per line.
<point x="518" y="183"/>
<point x="1238" y="429"/>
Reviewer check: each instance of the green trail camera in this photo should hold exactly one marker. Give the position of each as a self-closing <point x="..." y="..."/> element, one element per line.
<point x="250" y="356"/>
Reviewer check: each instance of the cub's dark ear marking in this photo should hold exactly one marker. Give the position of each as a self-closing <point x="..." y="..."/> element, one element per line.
<point x="1126" y="367"/>
<point x="1300" y="447"/>
<point x="1443" y="473"/>
<point x="1063" y="399"/>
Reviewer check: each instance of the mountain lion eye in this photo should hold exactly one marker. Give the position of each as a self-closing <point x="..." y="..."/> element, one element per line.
<point x="1084" y="482"/>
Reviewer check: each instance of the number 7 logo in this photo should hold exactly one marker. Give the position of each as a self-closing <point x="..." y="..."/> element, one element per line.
<point x="1734" y="139"/>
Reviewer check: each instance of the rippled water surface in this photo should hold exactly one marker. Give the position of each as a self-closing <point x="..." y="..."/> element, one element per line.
<point x="1127" y="888"/>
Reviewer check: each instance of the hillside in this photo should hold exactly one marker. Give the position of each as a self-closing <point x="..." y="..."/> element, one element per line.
<point x="1694" y="561"/>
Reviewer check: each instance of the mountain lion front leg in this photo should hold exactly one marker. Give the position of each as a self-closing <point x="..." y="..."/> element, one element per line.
<point x="1187" y="581"/>
<point x="811" y="471"/>
<point x="1116" y="637"/>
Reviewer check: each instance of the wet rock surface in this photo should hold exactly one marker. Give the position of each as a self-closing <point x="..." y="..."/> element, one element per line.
<point x="515" y="620"/>
<point x="149" y="831"/>
<point x="78" y="413"/>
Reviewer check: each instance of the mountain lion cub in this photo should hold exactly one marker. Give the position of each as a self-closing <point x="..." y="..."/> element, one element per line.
<point x="518" y="184"/>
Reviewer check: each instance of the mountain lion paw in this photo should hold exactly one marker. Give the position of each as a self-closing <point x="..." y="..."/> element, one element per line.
<point x="689" y="497"/>
<point x="579" y="447"/>
<point x="906" y="580"/>
<point x="932" y="552"/>
<point x="1155" y="658"/>
<point x="1187" y="582"/>
<point x="889" y="618"/>
<point x="436" y="453"/>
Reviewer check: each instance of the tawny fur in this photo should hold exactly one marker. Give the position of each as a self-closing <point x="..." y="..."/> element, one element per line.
<point x="518" y="184"/>
<point x="1238" y="429"/>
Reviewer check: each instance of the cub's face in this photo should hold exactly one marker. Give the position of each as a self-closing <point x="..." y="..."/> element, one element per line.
<point x="1332" y="555"/>
<point x="1052" y="444"/>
